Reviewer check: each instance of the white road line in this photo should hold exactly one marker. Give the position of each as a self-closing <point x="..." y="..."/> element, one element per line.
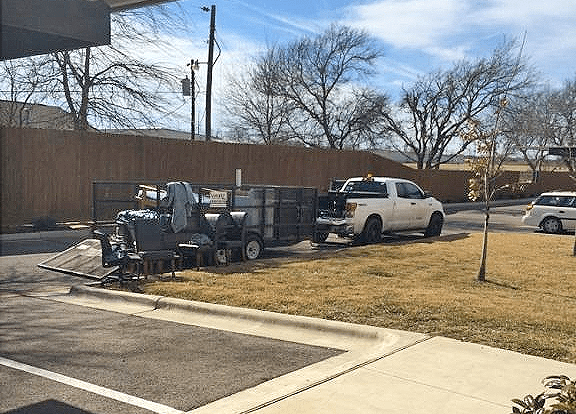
<point x="96" y="389"/>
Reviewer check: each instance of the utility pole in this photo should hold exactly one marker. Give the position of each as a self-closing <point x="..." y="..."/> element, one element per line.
<point x="192" y="103"/>
<point x="209" y="75"/>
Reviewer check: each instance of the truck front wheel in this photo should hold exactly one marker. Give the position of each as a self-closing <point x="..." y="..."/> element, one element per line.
<point x="435" y="226"/>
<point x="372" y="232"/>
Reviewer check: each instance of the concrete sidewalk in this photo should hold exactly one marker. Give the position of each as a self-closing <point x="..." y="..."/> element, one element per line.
<point x="382" y="370"/>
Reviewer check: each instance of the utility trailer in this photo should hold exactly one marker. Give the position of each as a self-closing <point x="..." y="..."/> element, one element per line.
<point x="156" y="226"/>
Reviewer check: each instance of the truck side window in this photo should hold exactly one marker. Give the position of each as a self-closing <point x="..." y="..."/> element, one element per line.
<point x="408" y="190"/>
<point x="565" y="201"/>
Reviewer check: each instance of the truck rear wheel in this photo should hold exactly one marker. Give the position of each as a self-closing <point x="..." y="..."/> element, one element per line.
<point x="372" y="232"/>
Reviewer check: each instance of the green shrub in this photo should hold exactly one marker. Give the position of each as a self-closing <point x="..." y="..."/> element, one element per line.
<point x="561" y="392"/>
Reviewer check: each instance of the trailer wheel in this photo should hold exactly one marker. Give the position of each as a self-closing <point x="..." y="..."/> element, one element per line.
<point x="253" y="247"/>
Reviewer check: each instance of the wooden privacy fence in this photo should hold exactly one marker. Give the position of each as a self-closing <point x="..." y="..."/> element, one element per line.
<point x="49" y="173"/>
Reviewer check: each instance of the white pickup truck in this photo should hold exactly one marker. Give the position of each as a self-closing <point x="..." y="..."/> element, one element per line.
<point x="366" y="207"/>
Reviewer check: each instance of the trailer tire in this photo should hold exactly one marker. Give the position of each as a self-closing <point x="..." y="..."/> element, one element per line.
<point x="253" y="247"/>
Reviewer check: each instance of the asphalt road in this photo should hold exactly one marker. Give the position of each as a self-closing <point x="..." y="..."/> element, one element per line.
<point x="178" y="366"/>
<point x="502" y="219"/>
<point x="40" y="242"/>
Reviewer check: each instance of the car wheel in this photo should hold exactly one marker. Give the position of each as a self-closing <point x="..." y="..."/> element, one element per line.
<point x="372" y="232"/>
<point x="435" y="226"/>
<point x="551" y="225"/>
<point x="253" y="247"/>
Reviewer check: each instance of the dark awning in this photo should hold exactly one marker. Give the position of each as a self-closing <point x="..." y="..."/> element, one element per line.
<point x="32" y="27"/>
<point x="129" y="4"/>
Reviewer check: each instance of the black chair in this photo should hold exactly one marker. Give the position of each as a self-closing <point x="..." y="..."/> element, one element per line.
<point x="116" y="256"/>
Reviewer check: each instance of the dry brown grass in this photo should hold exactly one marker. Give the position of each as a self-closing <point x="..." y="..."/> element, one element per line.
<point x="528" y="303"/>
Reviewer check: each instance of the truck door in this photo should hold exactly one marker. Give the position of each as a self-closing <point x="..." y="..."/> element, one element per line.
<point x="411" y="208"/>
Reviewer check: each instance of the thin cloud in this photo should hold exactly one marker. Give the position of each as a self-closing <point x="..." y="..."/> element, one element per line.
<point x="280" y="22"/>
<point x="409" y="24"/>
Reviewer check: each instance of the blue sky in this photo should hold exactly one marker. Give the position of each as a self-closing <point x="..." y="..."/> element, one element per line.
<point x="417" y="36"/>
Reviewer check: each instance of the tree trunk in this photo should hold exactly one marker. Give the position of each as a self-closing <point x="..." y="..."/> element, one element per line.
<point x="481" y="277"/>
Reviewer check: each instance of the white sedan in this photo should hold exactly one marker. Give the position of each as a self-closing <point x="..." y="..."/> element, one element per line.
<point x="553" y="212"/>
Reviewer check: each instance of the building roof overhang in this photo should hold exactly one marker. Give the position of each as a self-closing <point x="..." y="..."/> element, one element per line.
<point x="33" y="27"/>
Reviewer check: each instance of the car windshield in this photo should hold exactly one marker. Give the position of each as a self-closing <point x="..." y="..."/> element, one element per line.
<point x="555" y="201"/>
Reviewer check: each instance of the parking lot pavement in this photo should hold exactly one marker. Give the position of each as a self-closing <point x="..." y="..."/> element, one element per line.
<point x="153" y="365"/>
<point x="21" y="273"/>
<point x="23" y="392"/>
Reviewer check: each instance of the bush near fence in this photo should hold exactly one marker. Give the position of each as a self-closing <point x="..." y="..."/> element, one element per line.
<point x="49" y="173"/>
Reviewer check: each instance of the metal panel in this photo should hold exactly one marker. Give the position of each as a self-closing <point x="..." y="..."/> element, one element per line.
<point x="84" y="259"/>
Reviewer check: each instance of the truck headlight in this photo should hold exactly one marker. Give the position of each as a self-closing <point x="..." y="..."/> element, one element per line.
<point x="350" y="210"/>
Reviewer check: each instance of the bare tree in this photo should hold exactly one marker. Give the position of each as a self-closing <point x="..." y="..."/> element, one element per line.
<point x="109" y="86"/>
<point x="254" y="106"/>
<point x="542" y="120"/>
<point x="310" y="92"/>
<point x="488" y="166"/>
<point x="23" y="79"/>
<point x="564" y="107"/>
<point x="318" y="77"/>
<point x="436" y="109"/>
<point x="531" y="126"/>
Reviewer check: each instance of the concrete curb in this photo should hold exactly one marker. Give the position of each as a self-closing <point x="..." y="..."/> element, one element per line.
<point x="480" y="205"/>
<point x="279" y="319"/>
<point x="45" y="235"/>
<point x="114" y="295"/>
<point x="252" y="315"/>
